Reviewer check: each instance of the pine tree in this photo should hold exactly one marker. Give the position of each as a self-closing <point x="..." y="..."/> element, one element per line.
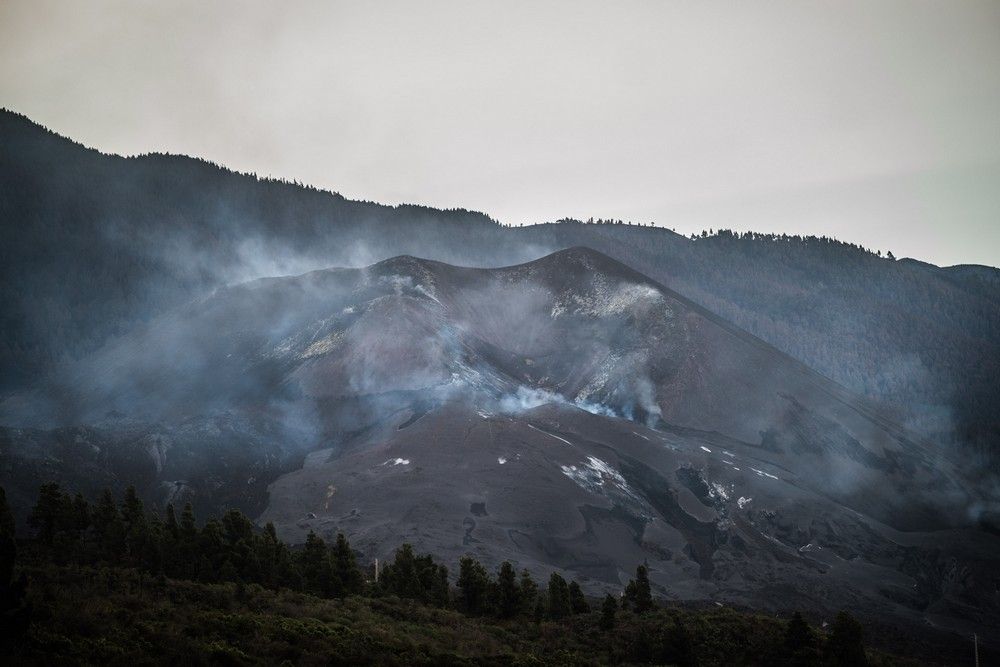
<point x="211" y="547"/>
<point x="440" y="593"/>
<point x="188" y="527"/>
<point x="473" y="582"/>
<point x="14" y="611"/>
<point x="236" y="527"/>
<point x="81" y="515"/>
<point x="132" y="510"/>
<point x="608" y="609"/>
<point x="529" y="593"/>
<point x="845" y="647"/>
<point x="134" y="520"/>
<point x="49" y="514"/>
<point x="173" y="531"/>
<point x="317" y="573"/>
<point x="188" y="550"/>
<point x="558" y="594"/>
<point x="285" y="572"/>
<point x="345" y="568"/>
<point x="402" y="576"/>
<point x="108" y="528"/>
<point x="239" y="537"/>
<point x="628" y="596"/>
<point x="267" y="553"/>
<point x="800" y="642"/>
<point x="577" y="601"/>
<point x="508" y="595"/>
<point x="170" y="542"/>
<point x="152" y="547"/>
<point x="643" y="596"/>
<point x="539" y="612"/>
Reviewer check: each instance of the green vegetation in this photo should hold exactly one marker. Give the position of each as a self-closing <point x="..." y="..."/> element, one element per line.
<point x="113" y="584"/>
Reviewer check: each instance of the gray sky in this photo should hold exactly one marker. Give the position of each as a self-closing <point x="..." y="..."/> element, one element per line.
<point x="875" y="121"/>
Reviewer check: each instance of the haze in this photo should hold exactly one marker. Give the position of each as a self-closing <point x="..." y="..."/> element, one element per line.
<point x="873" y="122"/>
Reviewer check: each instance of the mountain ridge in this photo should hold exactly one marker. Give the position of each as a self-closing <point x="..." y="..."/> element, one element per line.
<point x="95" y="246"/>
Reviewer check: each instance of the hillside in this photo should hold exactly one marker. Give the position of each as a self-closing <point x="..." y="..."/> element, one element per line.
<point x="93" y="244"/>
<point x="568" y="414"/>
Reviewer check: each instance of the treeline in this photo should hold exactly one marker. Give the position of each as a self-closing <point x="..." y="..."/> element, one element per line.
<point x="70" y="530"/>
<point x="121" y="536"/>
<point x="602" y="221"/>
<point x="724" y="235"/>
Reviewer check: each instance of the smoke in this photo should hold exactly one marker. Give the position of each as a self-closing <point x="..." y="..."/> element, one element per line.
<point x="645" y="397"/>
<point x="529" y="398"/>
<point x="336" y="359"/>
<point x="99" y="247"/>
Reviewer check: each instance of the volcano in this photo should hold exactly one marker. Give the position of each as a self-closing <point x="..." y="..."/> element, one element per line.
<point x="568" y="414"/>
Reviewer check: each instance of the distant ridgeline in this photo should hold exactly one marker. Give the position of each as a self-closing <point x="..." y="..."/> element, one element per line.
<point x="100" y="582"/>
<point x="92" y="245"/>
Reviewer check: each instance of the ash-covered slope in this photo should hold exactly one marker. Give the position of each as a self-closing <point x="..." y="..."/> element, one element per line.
<point x="568" y="413"/>
<point x="558" y="488"/>
<point x="575" y="324"/>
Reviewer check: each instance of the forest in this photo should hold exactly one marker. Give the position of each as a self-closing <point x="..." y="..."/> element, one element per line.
<point x="108" y="582"/>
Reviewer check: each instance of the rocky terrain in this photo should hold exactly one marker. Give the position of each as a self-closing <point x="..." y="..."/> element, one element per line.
<point x="566" y="414"/>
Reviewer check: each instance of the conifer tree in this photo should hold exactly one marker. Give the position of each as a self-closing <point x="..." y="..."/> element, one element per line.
<point x="402" y="576"/>
<point x="108" y="528"/>
<point x="49" y="514"/>
<point x="845" y="647"/>
<point x="608" y="610"/>
<point x="267" y="554"/>
<point x="345" y="567"/>
<point x="238" y="533"/>
<point x="436" y="587"/>
<point x="529" y="593"/>
<point x="188" y="526"/>
<point x="628" y="595"/>
<point x="539" y="612"/>
<point x="81" y="515"/>
<point x="170" y="526"/>
<point x="211" y="547"/>
<point x="473" y="582"/>
<point x="317" y="574"/>
<point x="508" y="595"/>
<point x="558" y="594"/>
<point x="577" y="601"/>
<point x="800" y="642"/>
<point x="643" y="596"/>
<point x="14" y="611"/>
<point x="188" y="550"/>
<point x="170" y="540"/>
<point x="134" y="521"/>
<point x="151" y="557"/>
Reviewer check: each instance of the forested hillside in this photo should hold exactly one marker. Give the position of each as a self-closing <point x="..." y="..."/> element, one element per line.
<point x="91" y="244"/>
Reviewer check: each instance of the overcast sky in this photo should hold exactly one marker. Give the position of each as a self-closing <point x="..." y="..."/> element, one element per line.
<point x="875" y="121"/>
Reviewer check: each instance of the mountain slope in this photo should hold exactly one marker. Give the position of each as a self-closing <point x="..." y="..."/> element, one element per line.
<point x="568" y="414"/>
<point x="93" y="245"/>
